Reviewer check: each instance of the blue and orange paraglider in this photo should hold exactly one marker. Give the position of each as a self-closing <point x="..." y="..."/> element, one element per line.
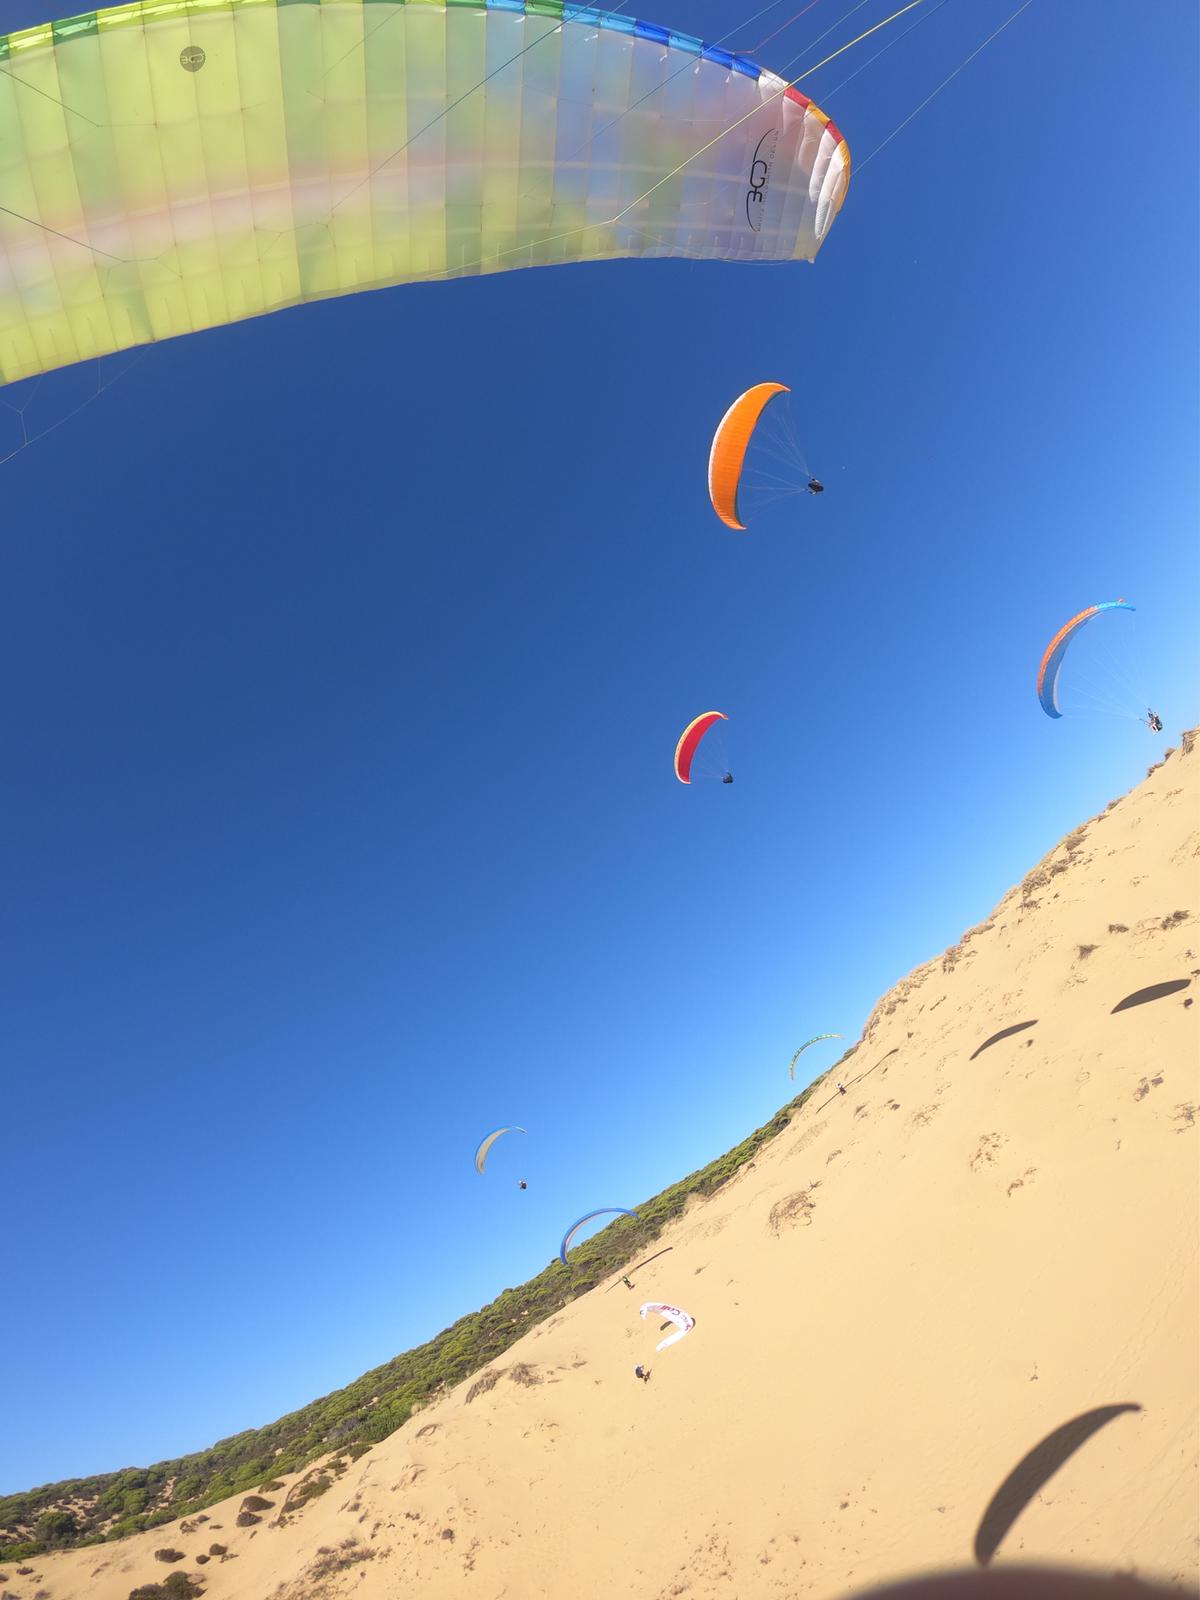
<point x="1047" y="679"/>
<point x="1104" y="673"/>
<point x="1108" y="683"/>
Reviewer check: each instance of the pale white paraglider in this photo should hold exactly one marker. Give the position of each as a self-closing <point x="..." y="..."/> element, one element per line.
<point x="486" y="1144"/>
<point x="683" y="1323"/>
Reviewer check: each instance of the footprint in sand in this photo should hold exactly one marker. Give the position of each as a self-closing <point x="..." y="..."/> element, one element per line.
<point x="985" y="1154"/>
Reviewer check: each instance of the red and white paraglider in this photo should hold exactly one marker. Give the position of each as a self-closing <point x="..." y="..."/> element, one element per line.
<point x="683" y="1322"/>
<point x="689" y="744"/>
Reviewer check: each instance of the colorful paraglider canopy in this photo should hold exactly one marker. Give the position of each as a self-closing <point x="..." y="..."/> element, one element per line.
<point x="604" y="1211"/>
<point x="1048" y="672"/>
<point x="173" y="165"/>
<point x="816" y="1039"/>
<point x="757" y="456"/>
<point x="689" y="742"/>
<point x="683" y="1322"/>
<point x="486" y="1144"/>
<point x="727" y="458"/>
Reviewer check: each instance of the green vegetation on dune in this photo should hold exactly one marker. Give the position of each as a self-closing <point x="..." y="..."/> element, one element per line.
<point x="90" y="1510"/>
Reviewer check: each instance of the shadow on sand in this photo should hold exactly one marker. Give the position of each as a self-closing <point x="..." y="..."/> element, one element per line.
<point x="1032" y="1473"/>
<point x="850" y="1082"/>
<point x="1005" y="1033"/>
<point x="1156" y="991"/>
<point x="640" y="1265"/>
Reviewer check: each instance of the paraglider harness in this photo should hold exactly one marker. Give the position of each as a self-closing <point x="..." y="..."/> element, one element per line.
<point x="815" y="486"/>
<point x="1153" y="721"/>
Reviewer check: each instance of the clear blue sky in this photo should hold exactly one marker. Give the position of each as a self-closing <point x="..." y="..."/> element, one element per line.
<point x="344" y="655"/>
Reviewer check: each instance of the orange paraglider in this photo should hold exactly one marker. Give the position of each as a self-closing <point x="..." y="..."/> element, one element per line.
<point x="727" y="457"/>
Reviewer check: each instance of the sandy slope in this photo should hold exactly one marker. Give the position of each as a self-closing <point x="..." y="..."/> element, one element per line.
<point x="905" y="1293"/>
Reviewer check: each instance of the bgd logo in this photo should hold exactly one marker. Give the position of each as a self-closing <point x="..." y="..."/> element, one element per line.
<point x="760" y="177"/>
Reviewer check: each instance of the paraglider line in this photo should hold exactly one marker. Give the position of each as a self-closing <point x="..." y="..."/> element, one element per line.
<point x="832" y="28"/>
<point x="100" y="389"/>
<point x="788" y="462"/>
<point x="65" y="237"/>
<point x="53" y="99"/>
<point x="841" y="50"/>
<point x="754" y="49"/>
<point x="965" y="62"/>
<point x="883" y="50"/>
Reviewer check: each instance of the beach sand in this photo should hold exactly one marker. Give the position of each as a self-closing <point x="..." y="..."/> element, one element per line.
<point x="989" y="1244"/>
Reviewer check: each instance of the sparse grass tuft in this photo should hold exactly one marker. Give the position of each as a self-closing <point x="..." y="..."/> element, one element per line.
<point x="348" y="1554"/>
<point x="483" y="1385"/>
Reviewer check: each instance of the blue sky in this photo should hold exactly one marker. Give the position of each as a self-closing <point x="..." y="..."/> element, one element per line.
<point x="345" y="652"/>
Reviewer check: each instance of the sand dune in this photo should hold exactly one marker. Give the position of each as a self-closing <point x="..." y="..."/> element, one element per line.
<point x="947" y="1318"/>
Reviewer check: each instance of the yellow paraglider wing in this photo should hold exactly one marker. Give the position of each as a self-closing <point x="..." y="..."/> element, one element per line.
<point x="180" y="164"/>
